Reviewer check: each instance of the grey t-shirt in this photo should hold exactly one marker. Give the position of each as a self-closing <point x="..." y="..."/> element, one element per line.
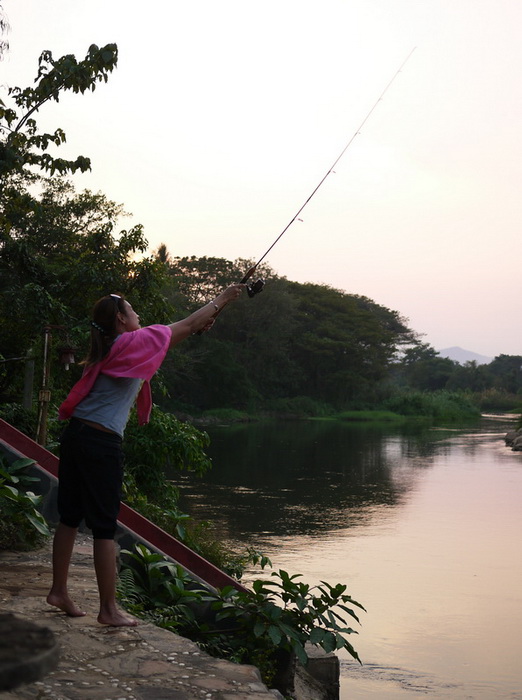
<point x="109" y="402"/>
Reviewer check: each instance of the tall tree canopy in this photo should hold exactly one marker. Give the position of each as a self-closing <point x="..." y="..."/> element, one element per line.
<point x="292" y="340"/>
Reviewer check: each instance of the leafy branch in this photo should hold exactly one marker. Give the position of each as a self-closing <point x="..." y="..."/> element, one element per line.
<point x="21" y="524"/>
<point x="23" y="145"/>
<point x="278" y="616"/>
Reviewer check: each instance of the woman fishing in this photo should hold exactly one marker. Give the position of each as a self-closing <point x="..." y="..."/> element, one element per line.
<point x="122" y="359"/>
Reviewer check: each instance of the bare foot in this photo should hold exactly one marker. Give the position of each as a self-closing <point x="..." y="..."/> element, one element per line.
<point x="116" y="619"/>
<point x="63" y="602"/>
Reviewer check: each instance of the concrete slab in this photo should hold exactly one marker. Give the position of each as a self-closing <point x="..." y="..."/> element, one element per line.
<point x="103" y="663"/>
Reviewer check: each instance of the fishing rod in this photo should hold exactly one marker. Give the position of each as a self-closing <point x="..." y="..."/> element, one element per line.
<point x="256" y="287"/>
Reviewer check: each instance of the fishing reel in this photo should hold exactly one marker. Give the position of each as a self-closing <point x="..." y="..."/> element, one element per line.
<point x="255" y="287"/>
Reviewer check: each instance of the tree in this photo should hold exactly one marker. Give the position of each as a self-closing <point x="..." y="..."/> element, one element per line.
<point x="200" y="279"/>
<point x="61" y="252"/>
<point x="343" y="343"/>
<point x="22" y="146"/>
<point x="44" y="261"/>
<point x="506" y="371"/>
<point x="422" y="368"/>
<point x="469" y="377"/>
<point x="290" y="341"/>
<point x="245" y="349"/>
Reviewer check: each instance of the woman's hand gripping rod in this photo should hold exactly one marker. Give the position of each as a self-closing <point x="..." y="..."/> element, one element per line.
<point x="252" y="289"/>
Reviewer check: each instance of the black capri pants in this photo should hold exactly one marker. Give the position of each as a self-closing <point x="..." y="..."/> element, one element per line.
<point x="90" y="477"/>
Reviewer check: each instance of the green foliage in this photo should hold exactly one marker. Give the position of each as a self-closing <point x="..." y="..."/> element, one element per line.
<point x="21" y="524"/>
<point x="507" y="373"/>
<point x="498" y="400"/>
<point x="440" y="405"/>
<point x="22" y="145"/>
<point x="165" y="514"/>
<point x="149" y="449"/>
<point x="226" y="415"/>
<point x="280" y="614"/>
<point x="422" y="369"/>
<point x="286" y="613"/>
<point x="294" y="342"/>
<point x="163" y="442"/>
<point x="370" y="416"/>
<point x="198" y="280"/>
<point x="297" y="406"/>
<point x="19" y="417"/>
<point x="154" y="576"/>
<point x="342" y="343"/>
<point x="60" y="253"/>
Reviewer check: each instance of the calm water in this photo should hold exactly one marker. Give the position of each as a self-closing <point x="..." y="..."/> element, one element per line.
<point x="423" y="525"/>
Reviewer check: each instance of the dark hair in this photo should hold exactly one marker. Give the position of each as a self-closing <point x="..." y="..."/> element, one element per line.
<point x="103" y="326"/>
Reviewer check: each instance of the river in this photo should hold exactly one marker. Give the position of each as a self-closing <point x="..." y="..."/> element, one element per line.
<point x="423" y="525"/>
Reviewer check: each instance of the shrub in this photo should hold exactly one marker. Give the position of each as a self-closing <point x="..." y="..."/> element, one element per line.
<point x="21" y="524"/>
<point x="497" y="400"/>
<point x="163" y="442"/>
<point x="20" y="417"/>
<point x="277" y="618"/>
<point x="226" y="415"/>
<point x="370" y="416"/>
<point x="298" y="406"/>
<point x="441" y="405"/>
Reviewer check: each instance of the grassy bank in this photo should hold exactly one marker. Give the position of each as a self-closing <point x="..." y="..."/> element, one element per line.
<point x="443" y="406"/>
<point x="366" y="416"/>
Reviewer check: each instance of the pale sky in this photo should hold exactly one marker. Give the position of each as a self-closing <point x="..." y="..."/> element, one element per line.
<point x="223" y="116"/>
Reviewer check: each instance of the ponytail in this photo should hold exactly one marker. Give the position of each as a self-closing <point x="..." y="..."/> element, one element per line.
<point x="103" y="327"/>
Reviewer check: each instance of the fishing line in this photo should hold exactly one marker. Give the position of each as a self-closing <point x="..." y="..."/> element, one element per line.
<point x="256" y="287"/>
<point x="328" y="172"/>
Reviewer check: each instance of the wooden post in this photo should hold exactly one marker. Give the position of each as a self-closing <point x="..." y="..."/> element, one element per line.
<point x="44" y="396"/>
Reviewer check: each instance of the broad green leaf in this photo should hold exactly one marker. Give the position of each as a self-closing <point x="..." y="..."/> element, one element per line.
<point x="38" y="523"/>
<point x="317" y="635"/>
<point x="329" y="642"/>
<point x="259" y="629"/>
<point x="300" y="653"/>
<point x="275" y="634"/>
<point x="12" y="492"/>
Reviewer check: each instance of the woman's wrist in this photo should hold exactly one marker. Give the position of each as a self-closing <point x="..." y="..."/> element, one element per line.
<point x="220" y="300"/>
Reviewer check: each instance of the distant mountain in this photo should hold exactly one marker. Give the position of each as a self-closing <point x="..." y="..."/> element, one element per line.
<point x="462" y="356"/>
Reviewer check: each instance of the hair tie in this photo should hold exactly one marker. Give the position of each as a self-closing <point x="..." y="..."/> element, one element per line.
<point x="99" y="328"/>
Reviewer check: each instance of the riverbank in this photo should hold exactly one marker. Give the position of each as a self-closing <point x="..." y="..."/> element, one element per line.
<point x="97" y="662"/>
<point x="442" y="406"/>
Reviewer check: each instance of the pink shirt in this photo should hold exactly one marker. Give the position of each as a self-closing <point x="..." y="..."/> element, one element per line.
<point x="137" y="354"/>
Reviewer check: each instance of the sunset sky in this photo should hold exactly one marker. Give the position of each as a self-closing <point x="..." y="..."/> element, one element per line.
<point x="222" y="117"/>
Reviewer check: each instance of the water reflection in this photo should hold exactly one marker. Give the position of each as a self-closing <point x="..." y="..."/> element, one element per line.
<point x="424" y="526"/>
<point x="306" y="478"/>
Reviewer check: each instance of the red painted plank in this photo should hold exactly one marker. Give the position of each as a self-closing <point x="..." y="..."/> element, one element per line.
<point x="129" y="518"/>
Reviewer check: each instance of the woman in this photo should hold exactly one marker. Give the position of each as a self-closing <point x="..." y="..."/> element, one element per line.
<point x="122" y="359"/>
